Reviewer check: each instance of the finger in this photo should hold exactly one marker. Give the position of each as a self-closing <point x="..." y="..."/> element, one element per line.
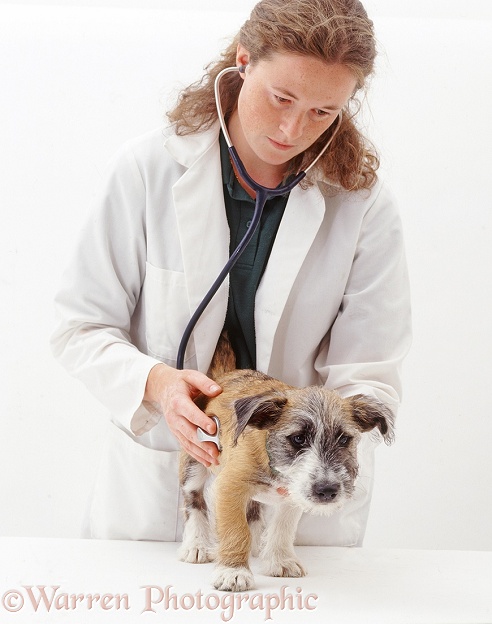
<point x="202" y="383"/>
<point x="190" y="435"/>
<point x="194" y="415"/>
<point x="206" y="453"/>
<point x="212" y="453"/>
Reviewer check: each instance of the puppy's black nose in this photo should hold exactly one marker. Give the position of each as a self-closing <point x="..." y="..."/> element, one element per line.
<point x="325" y="491"/>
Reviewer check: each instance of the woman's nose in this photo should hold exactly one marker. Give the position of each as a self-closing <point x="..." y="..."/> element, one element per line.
<point x="292" y="125"/>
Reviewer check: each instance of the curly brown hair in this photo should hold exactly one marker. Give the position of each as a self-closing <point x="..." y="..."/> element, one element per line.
<point x="335" y="31"/>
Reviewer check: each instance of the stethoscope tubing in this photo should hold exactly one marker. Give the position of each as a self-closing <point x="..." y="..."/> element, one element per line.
<point x="263" y="194"/>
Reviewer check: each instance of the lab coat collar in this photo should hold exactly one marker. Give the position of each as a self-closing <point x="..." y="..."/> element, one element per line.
<point x="300" y="224"/>
<point x="187" y="149"/>
<point x="204" y="234"/>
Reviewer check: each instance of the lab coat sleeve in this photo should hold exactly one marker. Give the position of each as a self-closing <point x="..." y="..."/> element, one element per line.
<point x="371" y="334"/>
<point x="99" y="294"/>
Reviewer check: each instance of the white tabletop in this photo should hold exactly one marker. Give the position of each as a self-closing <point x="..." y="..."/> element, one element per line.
<point x="89" y="581"/>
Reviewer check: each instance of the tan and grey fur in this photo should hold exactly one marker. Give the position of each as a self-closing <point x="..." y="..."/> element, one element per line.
<point x="293" y="448"/>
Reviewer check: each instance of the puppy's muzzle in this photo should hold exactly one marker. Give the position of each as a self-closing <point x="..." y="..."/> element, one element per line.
<point x="325" y="491"/>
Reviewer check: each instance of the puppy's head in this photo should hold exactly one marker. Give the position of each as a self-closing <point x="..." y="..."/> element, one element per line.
<point x="312" y="440"/>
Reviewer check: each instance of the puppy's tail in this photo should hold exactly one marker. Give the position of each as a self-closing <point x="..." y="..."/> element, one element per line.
<point x="224" y="359"/>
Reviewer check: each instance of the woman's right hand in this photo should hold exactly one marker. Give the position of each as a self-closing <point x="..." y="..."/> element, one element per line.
<point x="172" y="392"/>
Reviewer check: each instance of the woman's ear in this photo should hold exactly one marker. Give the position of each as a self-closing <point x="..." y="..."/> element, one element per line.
<point x="242" y="59"/>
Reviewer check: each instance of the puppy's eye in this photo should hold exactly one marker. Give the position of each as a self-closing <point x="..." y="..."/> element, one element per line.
<point x="299" y="440"/>
<point x="344" y="440"/>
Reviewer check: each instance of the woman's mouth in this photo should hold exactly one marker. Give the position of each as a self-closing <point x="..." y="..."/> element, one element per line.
<point x="280" y="146"/>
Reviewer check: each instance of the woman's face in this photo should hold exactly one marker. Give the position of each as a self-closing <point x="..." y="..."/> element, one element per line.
<point x="285" y="104"/>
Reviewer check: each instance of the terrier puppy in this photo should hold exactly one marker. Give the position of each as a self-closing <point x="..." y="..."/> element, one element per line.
<point x="292" y="448"/>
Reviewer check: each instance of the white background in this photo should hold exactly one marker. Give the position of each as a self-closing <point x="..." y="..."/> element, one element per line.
<point x="78" y="79"/>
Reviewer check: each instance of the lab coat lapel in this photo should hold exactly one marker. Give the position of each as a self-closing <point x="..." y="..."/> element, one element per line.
<point x="301" y="221"/>
<point x="204" y="234"/>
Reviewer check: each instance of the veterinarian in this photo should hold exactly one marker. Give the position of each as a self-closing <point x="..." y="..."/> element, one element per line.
<point x="320" y="296"/>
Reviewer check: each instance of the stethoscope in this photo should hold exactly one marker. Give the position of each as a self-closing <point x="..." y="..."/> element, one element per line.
<point x="263" y="194"/>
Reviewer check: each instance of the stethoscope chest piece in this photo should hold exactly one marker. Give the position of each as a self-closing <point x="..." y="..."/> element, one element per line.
<point x="203" y="436"/>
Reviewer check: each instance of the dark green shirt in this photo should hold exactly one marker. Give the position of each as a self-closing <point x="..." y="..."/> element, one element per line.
<point x="248" y="270"/>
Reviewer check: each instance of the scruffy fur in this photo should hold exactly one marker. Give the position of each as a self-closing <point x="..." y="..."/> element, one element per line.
<point x="293" y="448"/>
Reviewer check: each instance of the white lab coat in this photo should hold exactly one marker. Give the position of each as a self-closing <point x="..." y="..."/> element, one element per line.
<point x="332" y="308"/>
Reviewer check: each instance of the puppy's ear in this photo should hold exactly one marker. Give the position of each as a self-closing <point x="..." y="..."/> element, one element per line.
<point x="369" y="413"/>
<point x="260" y="411"/>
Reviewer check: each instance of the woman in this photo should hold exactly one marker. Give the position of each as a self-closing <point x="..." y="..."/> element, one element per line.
<point x="320" y="296"/>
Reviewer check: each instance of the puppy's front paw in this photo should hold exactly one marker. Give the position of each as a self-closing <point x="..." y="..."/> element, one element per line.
<point x="290" y="567"/>
<point x="195" y="554"/>
<point x="233" y="579"/>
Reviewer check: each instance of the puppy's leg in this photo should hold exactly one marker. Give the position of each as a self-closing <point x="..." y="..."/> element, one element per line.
<point x="232" y="572"/>
<point x="256" y="524"/>
<point x="197" y="546"/>
<point x="279" y="558"/>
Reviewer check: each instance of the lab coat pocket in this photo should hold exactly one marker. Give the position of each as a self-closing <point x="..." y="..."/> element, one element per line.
<point x="136" y="492"/>
<point x="167" y="312"/>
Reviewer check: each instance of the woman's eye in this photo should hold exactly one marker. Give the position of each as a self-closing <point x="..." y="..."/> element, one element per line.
<point x="281" y="99"/>
<point x="321" y="113"/>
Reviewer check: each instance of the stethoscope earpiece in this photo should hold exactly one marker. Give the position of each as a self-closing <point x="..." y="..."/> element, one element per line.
<point x="242" y="69"/>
